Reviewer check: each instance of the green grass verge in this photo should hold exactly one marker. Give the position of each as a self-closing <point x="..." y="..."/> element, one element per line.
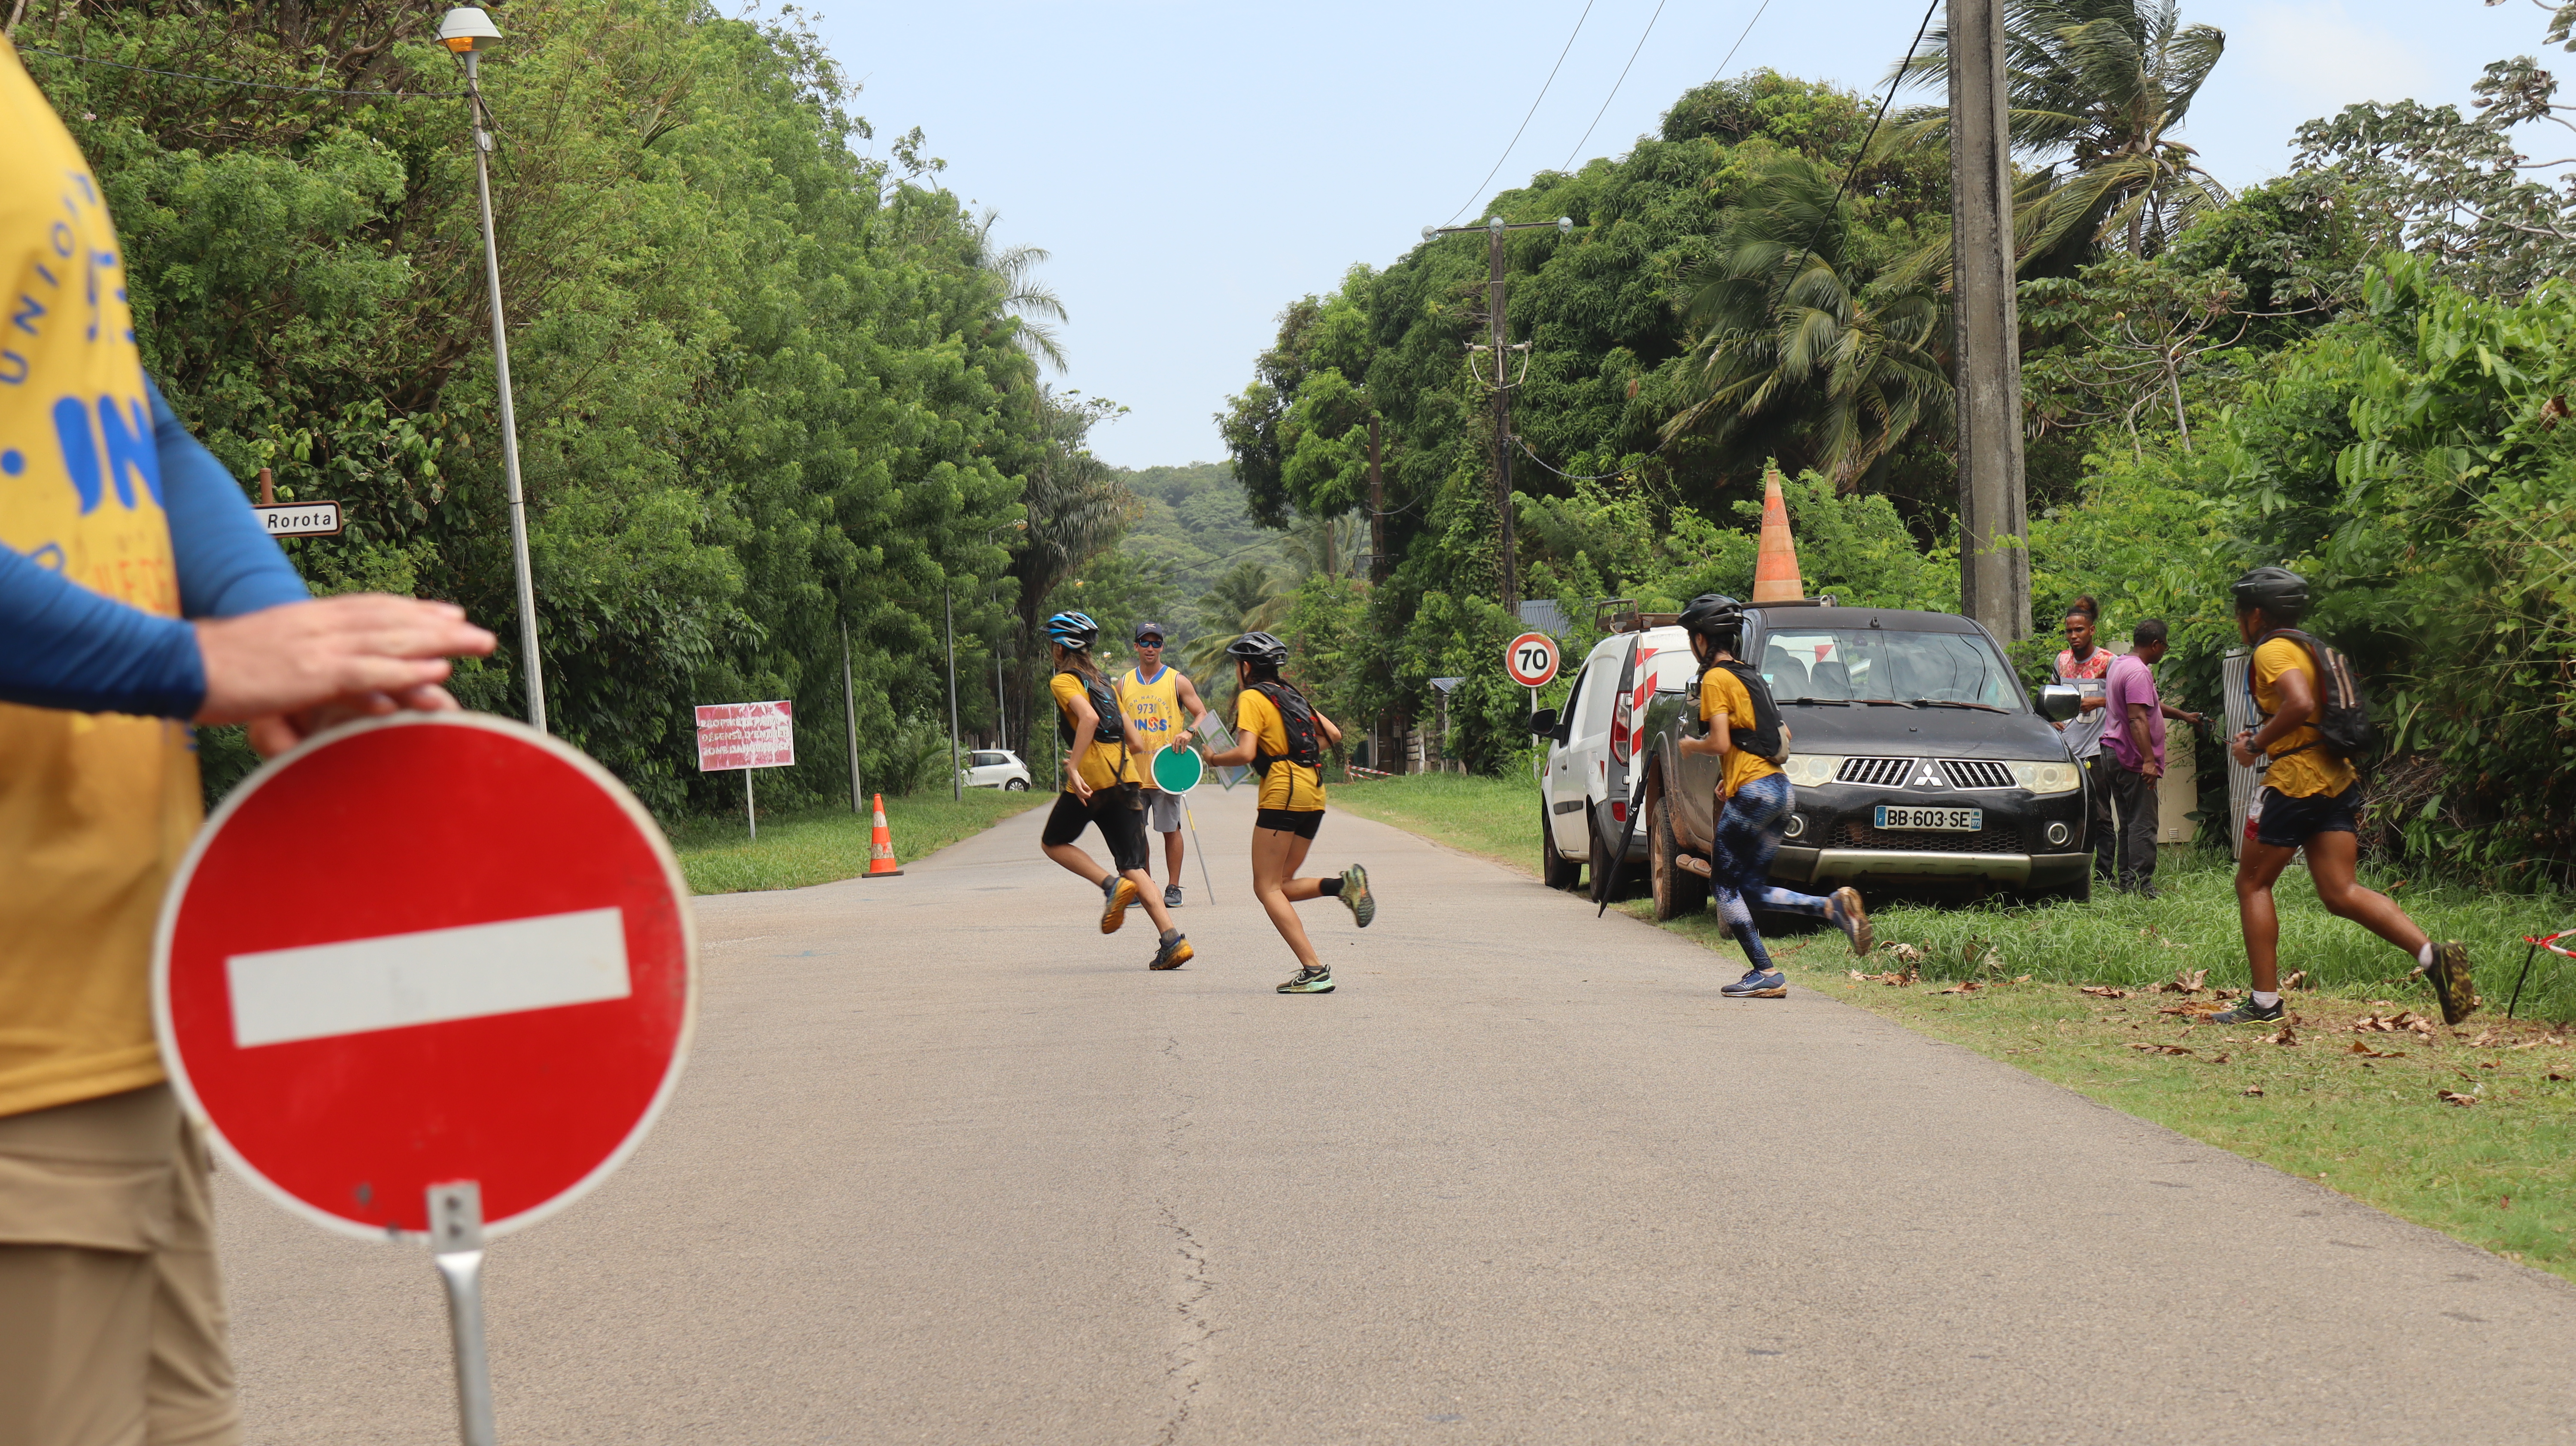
<point x="817" y="846"/>
<point x="2499" y="1173"/>
<point x="1493" y="817"/>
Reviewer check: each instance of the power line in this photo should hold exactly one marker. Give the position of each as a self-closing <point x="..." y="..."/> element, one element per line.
<point x="1853" y="170"/>
<point x="246" y="84"/>
<point x="1739" y="43"/>
<point x="1623" y="80"/>
<point x="1525" y="120"/>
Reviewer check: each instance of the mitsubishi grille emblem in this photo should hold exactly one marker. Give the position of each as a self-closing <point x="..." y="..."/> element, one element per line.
<point x="1930" y="778"/>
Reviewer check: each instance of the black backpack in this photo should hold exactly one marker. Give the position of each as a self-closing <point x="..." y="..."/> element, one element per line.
<point x="1762" y="740"/>
<point x="1297" y="720"/>
<point x="2343" y="719"/>
<point x="1112" y="725"/>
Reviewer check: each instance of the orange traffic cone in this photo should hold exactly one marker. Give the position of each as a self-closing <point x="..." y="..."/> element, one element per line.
<point x="1775" y="568"/>
<point x="881" y="864"/>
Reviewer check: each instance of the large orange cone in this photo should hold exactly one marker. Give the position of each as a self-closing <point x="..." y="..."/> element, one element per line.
<point x="881" y="864"/>
<point x="1775" y="569"/>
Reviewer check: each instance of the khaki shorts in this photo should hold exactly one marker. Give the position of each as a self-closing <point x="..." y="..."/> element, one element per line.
<point x="112" y="1329"/>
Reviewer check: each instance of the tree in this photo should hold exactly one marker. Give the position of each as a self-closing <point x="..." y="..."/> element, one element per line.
<point x="2097" y="89"/>
<point x="1796" y="352"/>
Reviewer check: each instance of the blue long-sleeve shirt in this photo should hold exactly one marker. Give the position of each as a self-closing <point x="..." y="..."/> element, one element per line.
<point x="64" y="646"/>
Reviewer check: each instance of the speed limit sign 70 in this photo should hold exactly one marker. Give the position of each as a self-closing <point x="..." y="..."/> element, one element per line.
<point x="1531" y="660"/>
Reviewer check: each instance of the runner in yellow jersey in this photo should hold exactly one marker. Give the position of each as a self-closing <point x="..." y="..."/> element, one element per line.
<point x="2310" y="798"/>
<point x="1284" y="736"/>
<point x="1158" y="697"/>
<point x="117" y="529"/>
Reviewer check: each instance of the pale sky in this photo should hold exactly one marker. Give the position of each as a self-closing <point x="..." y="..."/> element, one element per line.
<point x="1193" y="168"/>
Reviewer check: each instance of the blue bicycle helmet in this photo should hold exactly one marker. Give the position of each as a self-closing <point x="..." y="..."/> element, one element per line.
<point x="1074" y="632"/>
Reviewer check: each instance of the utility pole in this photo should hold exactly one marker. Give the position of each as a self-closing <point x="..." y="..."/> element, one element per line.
<point x="1378" y="564"/>
<point x="1499" y="345"/>
<point x="1994" y="562"/>
<point x="850" y="715"/>
<point x="956" y="780"/>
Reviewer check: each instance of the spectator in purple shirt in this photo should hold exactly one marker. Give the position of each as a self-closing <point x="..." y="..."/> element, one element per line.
<point x="2135" y="741"/>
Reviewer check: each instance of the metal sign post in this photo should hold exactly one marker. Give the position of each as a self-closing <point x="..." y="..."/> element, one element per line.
<point x="1177" y="769"/>
<point x="456" y="1243"/>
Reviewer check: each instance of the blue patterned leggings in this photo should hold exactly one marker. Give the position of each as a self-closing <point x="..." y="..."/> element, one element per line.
<point x="1748" y="834"/>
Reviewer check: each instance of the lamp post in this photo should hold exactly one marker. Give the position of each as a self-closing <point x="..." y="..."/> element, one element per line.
<point x="1498" y="344"/>
<point x="948" y="606"/>
<point x="467" y="31"/>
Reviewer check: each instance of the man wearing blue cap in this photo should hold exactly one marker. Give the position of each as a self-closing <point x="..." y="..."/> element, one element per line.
<point x="1156" y="696"/>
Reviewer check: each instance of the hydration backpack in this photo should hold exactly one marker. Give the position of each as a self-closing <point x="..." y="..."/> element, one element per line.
<point x="2343" y="719"/>
<point x="1112" y="725"/>
<point x="1297" y="720"/>
<point x="1762" y="740"/>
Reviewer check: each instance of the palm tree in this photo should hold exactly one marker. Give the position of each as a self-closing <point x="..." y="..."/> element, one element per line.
<point x="2097" y="89"/>
<point x="1077" y="506"/>
<point x="1023" y="297"/>
<point x="1245" y="598"/>
<point x="1796" y="353"/>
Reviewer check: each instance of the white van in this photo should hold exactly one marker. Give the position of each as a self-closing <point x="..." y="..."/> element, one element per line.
<point x="1585" y="786"/>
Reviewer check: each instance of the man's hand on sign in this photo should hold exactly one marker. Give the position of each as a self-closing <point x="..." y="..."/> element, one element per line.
<point x="293" y="670"/>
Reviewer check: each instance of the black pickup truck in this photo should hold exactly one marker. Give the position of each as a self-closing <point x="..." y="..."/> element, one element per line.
<point x="1921" y="765"/>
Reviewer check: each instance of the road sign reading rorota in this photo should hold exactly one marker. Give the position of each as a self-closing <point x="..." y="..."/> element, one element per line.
<point x="746" y="735"/>
<point x="1531" y="660"/>
<point x="488" y="974"/>
<point x="300" y="519"/>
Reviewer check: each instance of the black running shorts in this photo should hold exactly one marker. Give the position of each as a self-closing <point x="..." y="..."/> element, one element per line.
<point x="1122" y="824"/>
<point x="2286" y="823"/>
<point x="1300" y="821"/>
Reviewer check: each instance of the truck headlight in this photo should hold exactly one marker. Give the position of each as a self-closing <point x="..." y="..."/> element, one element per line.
<point x="1806" y="770"/>
<point x="2047" y="777"/>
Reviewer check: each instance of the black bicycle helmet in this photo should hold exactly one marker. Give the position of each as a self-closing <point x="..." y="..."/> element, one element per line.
<point x="2279" y="592"/>
<point x="1073" y="631"/>
<point x="1712" y="615"/>
<point x="1257" y="648"/>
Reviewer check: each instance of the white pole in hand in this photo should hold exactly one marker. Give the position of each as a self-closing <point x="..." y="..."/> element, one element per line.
<point x="456" y="1244"/>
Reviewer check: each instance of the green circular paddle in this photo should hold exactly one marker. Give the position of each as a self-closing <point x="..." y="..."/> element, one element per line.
<point x="1177" y="769"/>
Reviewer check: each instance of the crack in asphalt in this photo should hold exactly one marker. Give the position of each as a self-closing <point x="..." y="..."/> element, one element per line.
<point x="1192" y="1328"/>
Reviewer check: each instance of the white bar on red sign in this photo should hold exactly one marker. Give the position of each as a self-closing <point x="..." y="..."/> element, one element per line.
<point x="324" y="990"/>
<point x="746" y="735"/>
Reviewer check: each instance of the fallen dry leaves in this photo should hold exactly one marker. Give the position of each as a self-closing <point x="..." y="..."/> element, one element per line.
<point x="2454" y="1097"/>
<point x="2255" y="1093"/>
<point x="2404" y="1021"/>
<point x="2298" y="980"/>
<point x="2162" y="1048"/>
<point x="2286" y="1036"/>
<point x="2104" y="991"/>
<point x="2360" y="1048"/>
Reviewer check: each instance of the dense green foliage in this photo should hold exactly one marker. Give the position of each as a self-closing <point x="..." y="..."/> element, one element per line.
<point x="2358" y="370"/>
<point x="766" y="390"/>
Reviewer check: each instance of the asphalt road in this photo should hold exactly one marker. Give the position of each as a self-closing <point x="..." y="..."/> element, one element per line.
<point x="948" y="1166"/>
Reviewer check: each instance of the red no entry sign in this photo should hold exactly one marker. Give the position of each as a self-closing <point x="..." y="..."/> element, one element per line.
<point x="423" y="949"/>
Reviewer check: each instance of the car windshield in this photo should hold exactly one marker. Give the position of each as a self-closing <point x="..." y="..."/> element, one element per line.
<point x="1887" y="665"/>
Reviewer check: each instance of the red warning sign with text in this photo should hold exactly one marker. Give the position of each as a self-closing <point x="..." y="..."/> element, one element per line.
<point x="746" y="735"/>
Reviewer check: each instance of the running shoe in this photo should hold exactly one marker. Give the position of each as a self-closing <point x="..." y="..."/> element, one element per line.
<point x="1174" y="954"/>
<point x="2449" y="975"/>
<point x="1355" y="893"/>
<point x="1116" y="892"/>
<point x="2248" y="1012"/>
<point x="1844" y="911"/>
<point x="1309" y="981"/>
<point x="1171" y="896"/>
<point x="1756" y="984"/>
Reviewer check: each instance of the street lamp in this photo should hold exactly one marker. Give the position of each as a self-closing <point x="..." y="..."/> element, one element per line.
<point x="467" y="31"/>
<point x="948" y="606"/>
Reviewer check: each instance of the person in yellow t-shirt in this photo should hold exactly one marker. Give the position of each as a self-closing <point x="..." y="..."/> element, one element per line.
<point x="2310" y="799"/>
<point x="138" y="593"/>
<point x="1275" y="725"/>
<point x="1102" y="754"/>
<point x="1164" y="705"/>
<point x="1754" y="798"/>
